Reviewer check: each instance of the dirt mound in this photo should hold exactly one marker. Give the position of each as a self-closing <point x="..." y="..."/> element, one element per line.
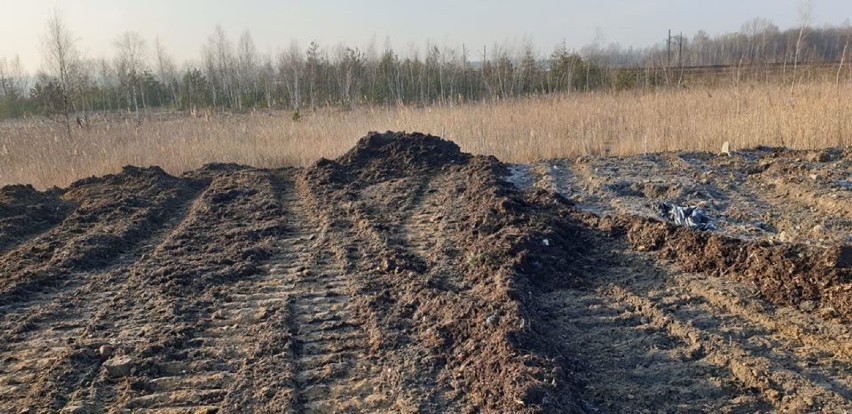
<point x="381" y="156"/>
<point x="25" y="212"/>
<point x="454" y="250"/>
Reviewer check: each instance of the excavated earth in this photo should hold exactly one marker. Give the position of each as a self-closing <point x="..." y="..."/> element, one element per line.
<point x="408" y="276"/>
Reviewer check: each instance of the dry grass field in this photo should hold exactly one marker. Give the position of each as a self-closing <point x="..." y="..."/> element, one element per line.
<point x="813" y="115"/>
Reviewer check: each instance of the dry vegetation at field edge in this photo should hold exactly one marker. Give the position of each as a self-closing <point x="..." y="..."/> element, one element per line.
<point x="524" y="130"/>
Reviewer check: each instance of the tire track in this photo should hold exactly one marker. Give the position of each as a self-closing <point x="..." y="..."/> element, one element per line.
<point x="335" y="368"/>
<point x="786" y="389"/>
<point x="821" y="335"/>
<point x="149" y="323"/>
<point x="438" y="291"/>
<point x="423" y="244"/>
<point x="292" y="315"/>
<point x="44" y="334"/>
<point x="373" y="246"/>
<point x="410" y="222"/>
<point x="626" y="363"/>
<point x="807" y="365"/>
<point x="566" y="179"/>
<point x="210" y="326"/>
<point x="114" y="214"/>
<point x="408" y="197"/>
<point x="662" y="339"/>
<point x="809" y="198"/>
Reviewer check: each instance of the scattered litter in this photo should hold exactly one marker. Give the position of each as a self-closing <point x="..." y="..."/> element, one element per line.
<point x="545" y="242"/>
<point x="692" y="216"/>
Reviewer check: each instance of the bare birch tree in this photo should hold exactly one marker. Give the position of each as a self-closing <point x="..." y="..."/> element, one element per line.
<point x="130" y="64"/>
<point x="166" y="70"/>
<point x="805" y="15"/>
<point x="292" y="65"/>
<point x="13" y="79"/>
<point x="221" y="56"/>
<point x="61" y="60"/>
<point x="247" y="68"/>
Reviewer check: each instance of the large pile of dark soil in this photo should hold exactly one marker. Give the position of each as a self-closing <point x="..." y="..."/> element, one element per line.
<point x="469" y="309"/>
<point x="394" y="154"/>
<point x="384" y="156"/>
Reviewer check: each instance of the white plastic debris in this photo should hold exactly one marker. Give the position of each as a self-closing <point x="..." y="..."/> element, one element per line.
<point x="545" y="242"/>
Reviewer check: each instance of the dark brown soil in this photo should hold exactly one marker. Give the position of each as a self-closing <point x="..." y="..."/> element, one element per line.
<point x="113" y="214"/>
<point x="785" y="274"/>
<point x="404" y="276"/>
<point x="25" y="212"/>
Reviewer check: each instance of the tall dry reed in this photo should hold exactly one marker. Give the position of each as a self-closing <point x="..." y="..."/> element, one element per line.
<point x="816" y="115"/>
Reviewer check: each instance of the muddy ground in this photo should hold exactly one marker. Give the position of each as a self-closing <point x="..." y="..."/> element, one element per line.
<point x="408" y="276"/>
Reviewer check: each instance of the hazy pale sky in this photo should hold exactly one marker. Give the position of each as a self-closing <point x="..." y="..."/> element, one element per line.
<point x="184" y="25"/>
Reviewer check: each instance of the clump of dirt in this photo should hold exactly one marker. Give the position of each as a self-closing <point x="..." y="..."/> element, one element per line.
<point x="24" y="211"/>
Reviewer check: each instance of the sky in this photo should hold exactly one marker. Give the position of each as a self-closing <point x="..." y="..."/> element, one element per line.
<point x="184" y="25"/>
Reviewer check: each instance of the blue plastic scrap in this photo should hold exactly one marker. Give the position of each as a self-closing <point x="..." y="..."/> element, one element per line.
<point x="693" y="217"/>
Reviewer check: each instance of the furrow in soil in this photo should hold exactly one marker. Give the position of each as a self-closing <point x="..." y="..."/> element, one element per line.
<point x="47" y="335"/>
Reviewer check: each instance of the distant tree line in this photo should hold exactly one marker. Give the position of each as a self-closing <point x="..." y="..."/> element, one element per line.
<point x="236" y="77"/>
<point x="758" y="42"/>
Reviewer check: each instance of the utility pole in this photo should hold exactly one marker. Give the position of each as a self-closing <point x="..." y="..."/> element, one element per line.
<point x="465" y="88"/>
<point x="669" y="49"/>
<point x="668" y="57"/>
<point x="680" y="58"/>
